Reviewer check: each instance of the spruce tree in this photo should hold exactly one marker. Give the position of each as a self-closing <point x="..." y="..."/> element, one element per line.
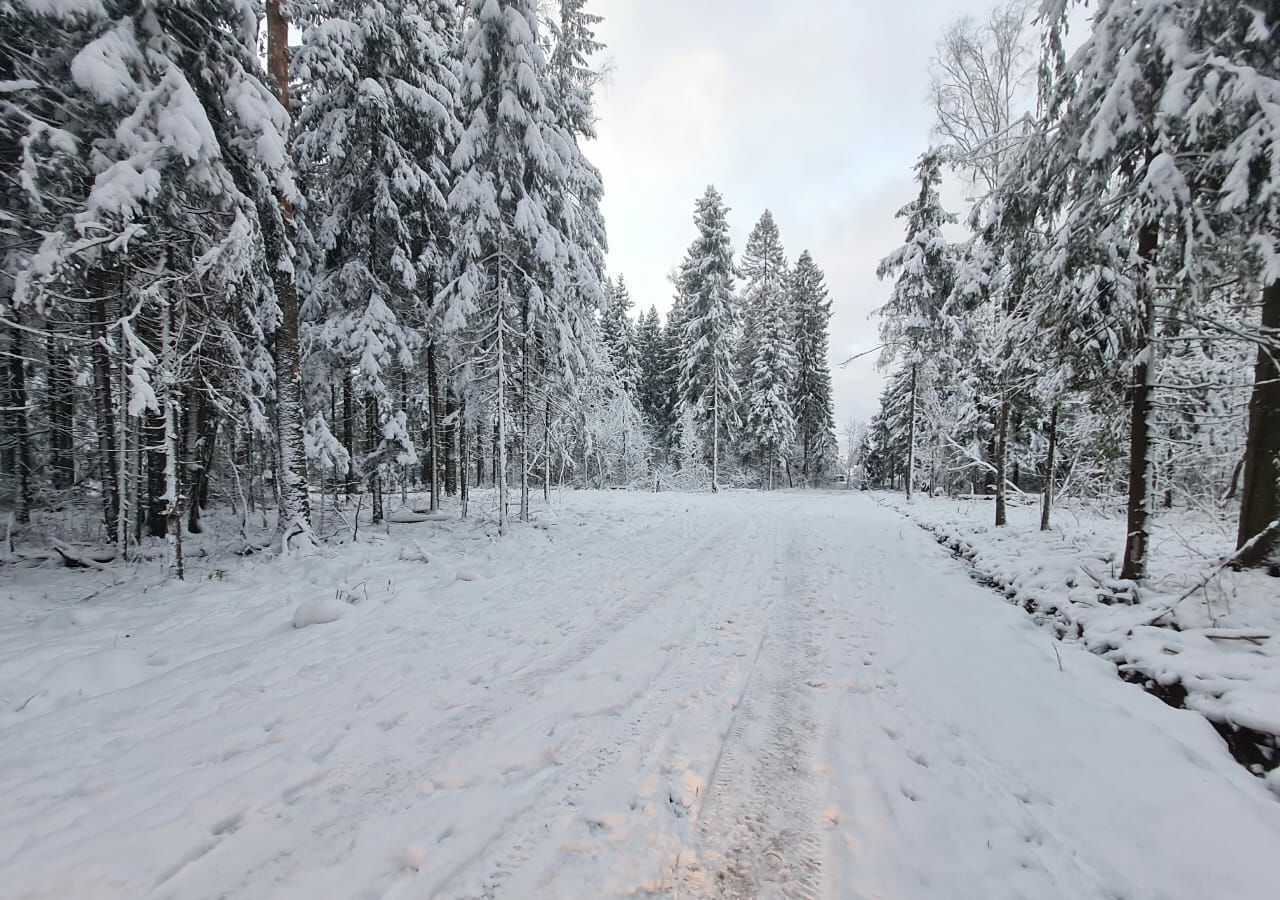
<point x="372" y="143"/>
<point x="770" y="424"/>
<point x="651" y="359"/>
<point x="811" y="398"/>
<point x="708" y="383"/>
<point x="915" y="321"/>
<point x="510" y="251"/>
<point x="767" y="357"/>
<point x="617" y="332"/>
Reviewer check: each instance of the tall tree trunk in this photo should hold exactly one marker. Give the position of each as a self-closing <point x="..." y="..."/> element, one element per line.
<point x="1260" y="500"/>
<point x="156" y="507"/>
<point x="1002" y="461"/>
<point x="373" y="476"/>
<point x="433" y="426"/>
<point x="171" y="412"/>
<point x="19" y="427"/>
<point x="104" y="403"/>
<point x="200" y="456"/>
<point x="124" y="440"/>
<point x="294" y="513"/>
<point x="526" y="369"/>
<point x="1141" y="392"/>
<point x="464" y="463"/>
<point x="493" y="462"/>
<point x="911" y="432"/>
<point x="479" y="452"/>
<point x="349" y="429"/>
<point x="546" y="451"/>
<point x="500" y="418"/>
<point x="451" y="455"/>
<point x="61" y="415"/>
<point x="1051" y="461"/>
<point x="715" y="427"/>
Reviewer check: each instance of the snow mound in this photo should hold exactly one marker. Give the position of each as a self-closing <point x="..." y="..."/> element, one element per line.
<point x="69" y="680"/>
<point x="318" y="611"/>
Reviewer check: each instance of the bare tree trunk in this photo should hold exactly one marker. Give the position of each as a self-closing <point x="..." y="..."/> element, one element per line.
<point x="451" y="454"/>
<point x="61" y="415"/>
<point x="526" y="370"/>
<point x="911" y="432"/>
<point x="1140" y="392"/>
<point x="153" y="434"/>
<point x="19" y="427"/>
<point x="1260" y="500"/>
<point x="715" y="429"/>
<point x="433" y="428"/>
<point x="125" y="449"/>
<point x="1046" y="507"/>
<point x="500" y="420"/>
<point x="294" y="513"/>
<point x="464" y="464"/>
<point x="373" y="475"/>
<point x="171" y="412"/>
<point x="104" y="403"/>
<point x="1002" y="460"/>
<point x="1233" y="484"/>
<point x="201" y="458"/>
<point x="349" y="430"/>
<point x="493" y="457"/>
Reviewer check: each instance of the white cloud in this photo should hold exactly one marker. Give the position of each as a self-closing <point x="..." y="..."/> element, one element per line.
<point x="816" y="111"/>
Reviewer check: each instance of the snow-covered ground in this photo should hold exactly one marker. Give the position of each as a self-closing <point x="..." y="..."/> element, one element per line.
<point x="796" y="694"/>
<point x="1195" y="627"/>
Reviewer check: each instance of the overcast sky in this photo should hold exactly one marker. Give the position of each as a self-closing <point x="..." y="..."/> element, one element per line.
<point x="815" y="110"/>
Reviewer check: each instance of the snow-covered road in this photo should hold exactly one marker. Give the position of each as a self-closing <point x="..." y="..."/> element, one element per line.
<point x="794" y="695"/>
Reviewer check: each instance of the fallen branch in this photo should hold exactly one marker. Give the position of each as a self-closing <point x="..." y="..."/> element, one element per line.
<point x="1262" y="536"/>
<point x="73" y="560"/>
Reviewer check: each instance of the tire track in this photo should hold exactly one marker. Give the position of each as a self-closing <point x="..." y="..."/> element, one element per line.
<point x="510" y="848"/>
<point x="758" y="823"/>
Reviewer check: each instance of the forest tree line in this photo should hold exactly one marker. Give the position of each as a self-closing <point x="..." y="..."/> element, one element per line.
<point x="371" y="262"/>
<point x="1110" y="325"/>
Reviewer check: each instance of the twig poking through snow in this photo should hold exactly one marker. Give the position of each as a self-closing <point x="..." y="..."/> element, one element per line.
<point x="1263" y="535"/>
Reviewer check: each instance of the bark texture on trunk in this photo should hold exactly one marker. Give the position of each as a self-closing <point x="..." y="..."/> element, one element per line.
<point x="294" y="512"/>
<point x="61" y="415"/>
<point x="1260" y="497"/>
<point x="911" y="431"/>
<point x="19" y="429"/>
<point x="104" y="409"/>
<point x="1051" y="461"/>
<point x="1002" y="460"/>
<point x="1140" y="393"/>
<point x="433" y="426"/>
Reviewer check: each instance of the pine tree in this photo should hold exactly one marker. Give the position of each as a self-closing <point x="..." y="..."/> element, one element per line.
<point x="510" y="250"/>
<point x="765" y="314"/>
<point x="1110" y="186"/>
<point x="708" y="383"/>
<point x="373" y="143"/>
<point x="764" y="273"/>
<point x="811" y="399"/>
<point x="651" y="389"/>
<point x="915" y="322"/>
<point x="174" y="264"/>
<point x="618" y="333"/>
<point x="293" y="496"/>
<point x="770" y="422"/>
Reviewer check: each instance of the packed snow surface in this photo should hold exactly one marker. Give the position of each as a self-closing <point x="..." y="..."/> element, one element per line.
<point x="734" y="695"/>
